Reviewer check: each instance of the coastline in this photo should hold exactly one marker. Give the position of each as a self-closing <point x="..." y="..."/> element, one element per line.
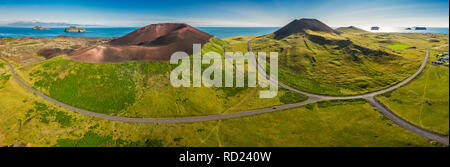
<point x="221" y="32"/>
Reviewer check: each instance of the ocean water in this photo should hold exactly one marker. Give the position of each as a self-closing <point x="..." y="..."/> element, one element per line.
<point x="221" y="32"/>
<point x="54" y="32"/>
<point x="440" y="30"/>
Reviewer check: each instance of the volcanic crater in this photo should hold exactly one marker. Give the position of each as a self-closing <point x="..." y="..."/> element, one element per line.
<point x="155" y="42"/>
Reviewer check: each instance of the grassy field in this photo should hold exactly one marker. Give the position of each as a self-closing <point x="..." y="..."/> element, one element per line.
<point x="424" y="101"/>
<point x="31" y="120"/>
<point x="335" y="123"/>
<point x="399" y="46"/>
<point x="239" y="43"/>
<point x="142" y="89"/>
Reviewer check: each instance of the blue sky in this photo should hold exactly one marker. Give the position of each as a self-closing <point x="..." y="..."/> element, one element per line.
<point x="266" y="13"/>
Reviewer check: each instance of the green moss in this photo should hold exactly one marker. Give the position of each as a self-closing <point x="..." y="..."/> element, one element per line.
<point x="47" y="114"/>
<point x="90" y="139"/>
<point x="310" y="106"/>
<point x="63" y="119"/>
<point x="292" y="97"/>
<point x="104" y="88"/>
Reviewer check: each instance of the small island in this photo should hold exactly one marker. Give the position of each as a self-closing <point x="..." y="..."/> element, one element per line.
<point x="421" y="28"/>
<point x="40" y="28"/>
<point x="74" y="29"/>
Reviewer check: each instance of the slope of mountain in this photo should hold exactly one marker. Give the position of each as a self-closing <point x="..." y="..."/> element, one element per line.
<point x="350" y="29"/>
<point x="154" y="42"/>
<point x="301" y="26"/>
<point x="317" y="59"/>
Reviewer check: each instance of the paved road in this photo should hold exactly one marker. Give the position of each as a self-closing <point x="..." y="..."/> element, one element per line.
<point x="371" y="98"/>
<point x="312" y="99"/>
<point x="406" y="124"/>
<point x="157" y="120"/>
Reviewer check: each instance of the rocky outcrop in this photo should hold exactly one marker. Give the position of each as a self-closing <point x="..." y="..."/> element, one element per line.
<point x="75" y="29"/>
<point x="40" y="28"/>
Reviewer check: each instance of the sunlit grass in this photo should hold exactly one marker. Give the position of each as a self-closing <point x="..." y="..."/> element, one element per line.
<point x="398" y="46"/>
<point x="424" y="101"/>
<point x="329" y="65"/>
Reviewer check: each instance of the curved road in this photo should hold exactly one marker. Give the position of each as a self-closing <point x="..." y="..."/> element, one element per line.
<point x="371" y="98"/>
<point x="312" y="99"/>
<point x="322" y="97"/>
<point x="157" y="120"/>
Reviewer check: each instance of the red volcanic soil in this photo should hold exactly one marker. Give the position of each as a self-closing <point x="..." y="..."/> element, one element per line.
<point x="300" y="26"/>
<point x="52" y="52"/>
<point x="156" y="42"/>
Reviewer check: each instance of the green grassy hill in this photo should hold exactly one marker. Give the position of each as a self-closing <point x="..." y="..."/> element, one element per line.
<point x="29" y="119"/>
<point x="333" y="64"/>
<point x="350" y="29"/>
<point x="139" y="89"/>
